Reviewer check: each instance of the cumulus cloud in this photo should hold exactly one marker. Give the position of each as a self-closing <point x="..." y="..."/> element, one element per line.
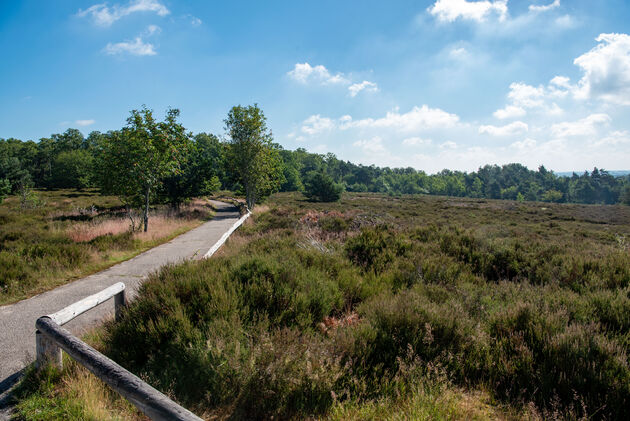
<point x="317" y="124"/>
<point x="416" y="141"/>
<point x="84" y="123"/>
<point x="373" y="145"/>
<point x="103" y="15"/>
<point x="510" y="111"/>
<point x="615" y="138"/>
<point x="544" y="8"/>
<point x="525" y="95"/>
<point x="448" y="145"/>
<point x="584" y="127"/>
<point x="366" y="86"/>
<point x="305" y="73"/>
<point x="195" y="21"/>
<point x="451" y="10"/>
<point x="606" y="70"/>
<point x="514" y="128"/>
<point x="416" y="119"/>
<point x="137" y="47"/>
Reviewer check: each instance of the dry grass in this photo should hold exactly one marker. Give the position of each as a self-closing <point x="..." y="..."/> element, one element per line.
<point x="96" y="399"/>
<point x="84" y="232"/>
<point x="162" y="224"/>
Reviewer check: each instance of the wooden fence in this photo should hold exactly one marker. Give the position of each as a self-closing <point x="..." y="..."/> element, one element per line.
<point x="51" y="339"/>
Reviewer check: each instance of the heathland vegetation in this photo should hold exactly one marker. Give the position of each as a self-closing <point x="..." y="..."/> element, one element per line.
<point x="54" y="236"/>
<point x="381" y="307"/>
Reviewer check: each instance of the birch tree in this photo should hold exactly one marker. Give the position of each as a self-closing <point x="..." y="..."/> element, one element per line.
<point x="252" y="157"/>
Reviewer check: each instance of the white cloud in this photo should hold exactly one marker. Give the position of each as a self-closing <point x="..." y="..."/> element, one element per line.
<point x="614" y="138"/>
<point x="448" y="145"/>
<point x="510" y="111"/>
<point x="195" y="21"/>
<point x="84" y="123"/>
<point x="507" y="130"/>
<point x="363" y="86"/>
<point x="561" y="82"/>
<point x="137" y="47"/>
<point x="317" y="124"/>
<point x="373" y="145"/>
<point x="451" y="10"/>
<point x="584" y="127"/>
<point x="524" y="144"/>
<point x="525" y="95"/>
<point x="554" y="110"/>
<point x="416" y="141"/>
<point x="305" y="73"/>
<point x="459" y="53"/>
<point x="544" y="8"/>
<point x="103" y="15"/>
<point x="416" y="119"/>
<point x="152" y="30"/>
<point x="606" y="70"/>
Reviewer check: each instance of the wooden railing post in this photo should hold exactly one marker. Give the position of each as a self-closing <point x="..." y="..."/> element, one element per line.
<point x="120" y="302"/>
<point x="47" y="352"/>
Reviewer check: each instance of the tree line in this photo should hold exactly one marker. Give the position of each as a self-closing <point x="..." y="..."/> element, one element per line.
<point x="150" y="161"/>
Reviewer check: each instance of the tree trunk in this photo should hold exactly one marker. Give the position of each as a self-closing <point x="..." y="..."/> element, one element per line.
<point x="146" y="209"/>
<point x="130" y="216"/>
<point x="249" y="197"/>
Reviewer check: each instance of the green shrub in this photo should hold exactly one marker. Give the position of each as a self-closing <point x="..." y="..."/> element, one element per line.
<point x="320" y="187"/>
<point x="374" y="248"/>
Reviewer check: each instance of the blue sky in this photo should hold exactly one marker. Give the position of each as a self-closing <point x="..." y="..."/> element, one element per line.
<point x="429" y="84"/>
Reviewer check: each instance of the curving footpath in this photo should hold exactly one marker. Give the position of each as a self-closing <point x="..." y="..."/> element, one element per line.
<point x="17" y="321"/>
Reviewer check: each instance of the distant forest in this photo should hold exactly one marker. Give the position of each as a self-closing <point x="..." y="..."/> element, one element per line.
<point x="70" y="160"/>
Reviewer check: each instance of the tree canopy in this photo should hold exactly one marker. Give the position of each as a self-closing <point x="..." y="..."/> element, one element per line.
<point x="162" y="162"/>
<point x="252" y="158"/>
<point x="135" y="160"/>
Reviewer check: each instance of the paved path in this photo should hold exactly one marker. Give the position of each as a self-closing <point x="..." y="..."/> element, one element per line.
<point x="17" y="321"/>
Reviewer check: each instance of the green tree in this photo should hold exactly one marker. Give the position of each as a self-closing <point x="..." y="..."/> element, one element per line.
<point x="321" y="187"/>
<point x="135" y="160"/>
<point x="72" y="169"/>
<point x="252" y="159"/>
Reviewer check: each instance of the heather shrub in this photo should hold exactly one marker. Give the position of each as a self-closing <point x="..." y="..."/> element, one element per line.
<point x="300" y="321"/>
<point x="374" y="248"/>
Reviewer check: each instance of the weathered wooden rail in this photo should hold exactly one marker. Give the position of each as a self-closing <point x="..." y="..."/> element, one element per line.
<point x="225" y="236"/>
<point x="51" y="339"/>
